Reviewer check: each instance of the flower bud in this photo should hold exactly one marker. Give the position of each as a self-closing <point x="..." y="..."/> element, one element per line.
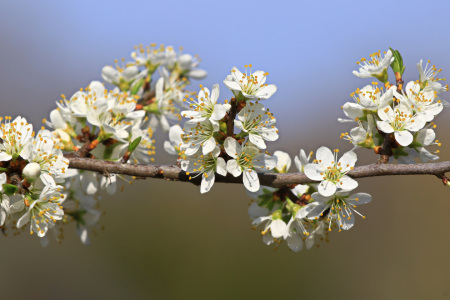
<point x="283" y="162"/>
<point x="31" y="171"/>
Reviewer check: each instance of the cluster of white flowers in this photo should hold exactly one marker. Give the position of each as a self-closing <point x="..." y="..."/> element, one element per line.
<point x="403" y="116"/>
<point x="305" y="212"/>
<point x="111" y="124"/>
<point x="31" y="168"/>
<point x="228" y="138"/>
<point x="208" y="143"/>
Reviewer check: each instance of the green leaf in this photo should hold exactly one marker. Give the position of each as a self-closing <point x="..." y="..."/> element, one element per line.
<point x="397" y="64"/>
<point x="134" y="144"/>
<point x="10" y="189"/>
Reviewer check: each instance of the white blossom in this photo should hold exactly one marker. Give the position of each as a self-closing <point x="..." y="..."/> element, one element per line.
<point x="15" y="138"/>
<point x="341" y="207"/>
<point x="428" y="77"/>
<point x="199" y="135"/>
<point x="375" y="67"/>
<point x="331" y="172"/>
<point x="368" y="99"/>
<point x="401" y="121"/>
<point x="206" y="166"/>
<point x="421" y="101"/>
<point x="205" y="107"/>
<point x="251" y="85"/>
<point x="259" y="123"/>
<point x="44" y="211"/>
<point x="51" y="161"/>
<point x="247" y="160"/>
<point x="122" y="76"/>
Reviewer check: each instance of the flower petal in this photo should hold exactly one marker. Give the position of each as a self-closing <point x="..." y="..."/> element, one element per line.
<point x="327" y="188"/>
<point x="404" y="137"/>
<point x="251" y="180"/>
<point x="346" y="183"/>
<point x="312" y="171"/>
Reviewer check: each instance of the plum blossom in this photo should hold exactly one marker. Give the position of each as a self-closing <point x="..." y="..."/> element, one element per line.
<point x="421" y="101"/>
<point x="44" y="211"/>
<point x="247" y="159"/>
<point x="205" y="107"/>
<point x="401" y="121"/>
<point x="199" y="135"/>
<point x="16" y="137"/>
<point x="376" y="67"/>
<point x="206" y="166"/>
<point x="252" y="86"/>
<point x="258" y="123"/>
<point x="331" y="172"/>
<point x="339" y="207"/>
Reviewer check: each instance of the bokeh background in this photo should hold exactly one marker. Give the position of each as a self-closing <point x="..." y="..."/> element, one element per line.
<point x="166" y="241"/>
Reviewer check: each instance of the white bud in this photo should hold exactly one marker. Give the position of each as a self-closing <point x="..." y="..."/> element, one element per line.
<point x="283" y="161"/>
<point x="31" y="171"/>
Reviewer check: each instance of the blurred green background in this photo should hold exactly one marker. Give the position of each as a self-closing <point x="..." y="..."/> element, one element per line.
<point x="164" y="240"/>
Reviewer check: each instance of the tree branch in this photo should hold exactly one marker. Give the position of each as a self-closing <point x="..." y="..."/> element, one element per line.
<point x="174" y="173"/>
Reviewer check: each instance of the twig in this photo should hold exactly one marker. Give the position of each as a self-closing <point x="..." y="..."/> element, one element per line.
<point x="174" y="173"/>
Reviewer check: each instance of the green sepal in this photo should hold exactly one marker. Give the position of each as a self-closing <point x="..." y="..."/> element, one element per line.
<point x="15" y="156"/>
<point x="383" y="77"/>
<point x="397" y="65"/>
<point x="152" y="108"/>
<point x="277" y="214"/>
<point x="136" y="87"/>
<point x="9" y="189"/>
<point x="223" y="127"/>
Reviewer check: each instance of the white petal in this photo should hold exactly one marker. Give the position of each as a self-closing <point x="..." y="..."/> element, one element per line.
<point x="327" y="188"/>
<point x="345" y="221"/>
<point x="348" y="160"/>
<point x="324" y="156"/>
<point x="256" y="211"/>
<point x="295" y="242"/>
<point x="209" y="146"/>
<point x="283" y="161"/>
<point x="404" y="137"/>
<point x="426" y="136"/>
<point x="197" y="74"/>
<point x="219" y="112"/>
<point x="221" y="166"/>
<point x="232" y="147"/>
<point x="363" y="198"/>
<point x="207" y="182"/>
<point x="215" y="93"/>
<point x="23" y="220"/>
<point x="312" y="171"/>
<point x="353" y="110"/>
<point x="168" y="147"/>
<point x="233" y="168"/>
<point x="385" y="126"/>
<point x="277" y="227"/>
<point x="257" y="140"/>
<point x="5" y="157"/>
<point x="266" y="92"/>
<point x="251" y="180"/>
<point x="57" y="119"/>
<point x="347" y="183"/>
